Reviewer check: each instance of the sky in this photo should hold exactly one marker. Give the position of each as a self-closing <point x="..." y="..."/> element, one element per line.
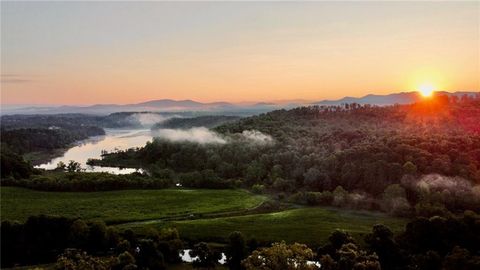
<point x="128" y="52"/>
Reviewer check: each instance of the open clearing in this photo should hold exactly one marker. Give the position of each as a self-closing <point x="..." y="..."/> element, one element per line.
<point x="125" y="205"/>
<point x="141" y="209"/>
<point x="305" y="225"/>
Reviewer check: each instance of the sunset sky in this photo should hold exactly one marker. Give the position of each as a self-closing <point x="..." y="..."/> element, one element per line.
<point x="127" y="52"/>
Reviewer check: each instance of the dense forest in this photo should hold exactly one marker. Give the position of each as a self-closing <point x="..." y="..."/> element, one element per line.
<point x="70" y="121"/>
<point x="27" y="140"/>
<point x="17" y="142"/>
<point x="426" y="154"/>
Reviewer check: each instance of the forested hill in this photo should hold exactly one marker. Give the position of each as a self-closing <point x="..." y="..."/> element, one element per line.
<point x="367" y="147"/>
<point x="439" y="114"/>
<point x="362" y="149"/>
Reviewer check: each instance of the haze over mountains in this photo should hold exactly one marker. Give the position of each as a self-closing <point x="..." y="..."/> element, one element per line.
<point x="390" y="99"/>
<point x="169" y="105"/>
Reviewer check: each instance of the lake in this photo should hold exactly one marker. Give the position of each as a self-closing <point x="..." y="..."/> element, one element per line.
<point x="114" y="139"/>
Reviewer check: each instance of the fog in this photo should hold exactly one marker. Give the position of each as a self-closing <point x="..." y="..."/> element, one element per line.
<point x="147" y="120"/>
<point x="200" y="135"/>
<point x="257" y="136"/>
<point x="204" y="135"/>
<point x="436" y="182"/>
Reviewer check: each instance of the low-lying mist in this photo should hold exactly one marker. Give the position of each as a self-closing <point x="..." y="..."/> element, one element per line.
<point x="257" y="136"/>
<point x="437" y="182"/>
<point x="147" y="120"/>
<point x="200" y="135"/>
<point x="204" y="135"/>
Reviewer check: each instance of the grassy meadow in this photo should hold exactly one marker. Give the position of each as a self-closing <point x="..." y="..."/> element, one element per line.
<point x="189" y="211"/>
<point x="124" y="206"/>
<point x="304" y="225"/>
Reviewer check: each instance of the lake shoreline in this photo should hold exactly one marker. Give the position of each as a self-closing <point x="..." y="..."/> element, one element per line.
<point x="92" y="148"/>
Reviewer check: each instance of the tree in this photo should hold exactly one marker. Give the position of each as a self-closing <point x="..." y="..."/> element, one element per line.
<point x="430" y="260"/>
<point x="79" y="233"/>
<point x="236" y="250"/>
<point x="258" y="189"/>
<point x="338" y="238"/>
<point x="395" y="200"/>
<point x="97" y="236"/>
<point x="328" y="263"/>
<point x="206" y="257"/>
<point x="340" y="197"/>
<point x="73" y="259"/>
<point x="281" y="256"/>
<point x="61" y="166"/>
<point x="148" y="255"/>
<point x="255" y="172"/>
<point x="73" y="166"/>
<point x="409" y="168"/>
<point x="125" y="259"/>
<point x="460" y="258"/>
<point x="13" y="164"/>
<point x="312" y="177"/>
<point x="317" y="180"/>
<point x="382" y="243"/>
<point x="352" y="257"/>
<point x="283" y="184"/>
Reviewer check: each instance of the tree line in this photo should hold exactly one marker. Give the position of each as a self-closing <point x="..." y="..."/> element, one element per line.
<point x="434" y="243"/>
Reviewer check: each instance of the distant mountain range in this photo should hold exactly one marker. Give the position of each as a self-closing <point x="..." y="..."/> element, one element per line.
<point x="390" y="99"/>
<point x="169" y="105"/>
<point x="161" y="105"/>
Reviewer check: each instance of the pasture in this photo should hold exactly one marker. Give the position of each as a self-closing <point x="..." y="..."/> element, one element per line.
<point x="311" y="225"/>
<point x="125" y="205"/>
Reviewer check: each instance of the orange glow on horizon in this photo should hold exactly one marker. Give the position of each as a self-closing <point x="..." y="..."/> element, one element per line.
<point x="234" y="52"/>
<point x="426" y="90"/>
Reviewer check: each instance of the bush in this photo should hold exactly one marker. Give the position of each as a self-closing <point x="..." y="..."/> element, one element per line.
<point x="258" y="189"/>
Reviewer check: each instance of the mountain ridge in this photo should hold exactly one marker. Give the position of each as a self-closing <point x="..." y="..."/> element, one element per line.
<point x="171" y="105"/>
<point x="389" y="99"/>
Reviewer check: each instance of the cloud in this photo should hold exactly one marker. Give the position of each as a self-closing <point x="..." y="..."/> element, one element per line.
<point x="14" y="78"/>
<point x="204" y="135"/>
<point x="149" y="119"/>
<point x="256" y="136"/>
<point x="200" y="135"/>
<point x="439" y="182"/>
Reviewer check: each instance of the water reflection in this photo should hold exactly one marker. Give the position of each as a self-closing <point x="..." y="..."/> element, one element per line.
<point x="185" y="255"/>
<point x="114" y="139"/>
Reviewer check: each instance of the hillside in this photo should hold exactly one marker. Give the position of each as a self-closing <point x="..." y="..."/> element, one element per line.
<point x="208" y="121"/>
<point x="361" y="149"/>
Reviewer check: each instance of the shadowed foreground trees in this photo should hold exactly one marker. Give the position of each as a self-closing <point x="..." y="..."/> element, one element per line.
<point x="281" y="256"/>
<point x="207" y="258"/>
<point x="434" y="243"/>
<point x="236" y="250"/>
<point x="42" y="238"/>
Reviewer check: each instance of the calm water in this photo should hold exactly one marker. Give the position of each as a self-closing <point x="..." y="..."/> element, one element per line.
<point x="115" y="139"/>
<point x="185" y="255"/>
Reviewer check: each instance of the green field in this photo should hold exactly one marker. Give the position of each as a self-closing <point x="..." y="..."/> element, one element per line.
<point x="141" y="209"/>
<point x="124" y="206"/>
<point x="305" y="225"/>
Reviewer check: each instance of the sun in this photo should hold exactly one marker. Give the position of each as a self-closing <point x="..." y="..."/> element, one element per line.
<point x="426" y="90"/>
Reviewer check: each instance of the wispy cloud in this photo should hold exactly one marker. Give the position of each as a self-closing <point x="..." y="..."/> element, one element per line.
<point x="15" y="78"/>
